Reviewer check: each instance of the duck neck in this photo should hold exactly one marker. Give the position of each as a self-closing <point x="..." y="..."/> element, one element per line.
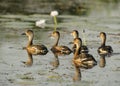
<point x="103" y="41"/>
<point x="30" y="40"/>
<point x="57" y="40"/>
<point x="77" y="51"/>
<point x="76" y="35"/>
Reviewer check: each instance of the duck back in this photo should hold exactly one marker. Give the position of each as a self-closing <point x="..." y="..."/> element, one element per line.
<point x="105" y="51"/>
<point x="85" y="61"/>
<point x="61" y="49"/>
<point x="37" y="49"/>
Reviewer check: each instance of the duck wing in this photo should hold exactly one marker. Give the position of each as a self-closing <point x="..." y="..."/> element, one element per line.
<point x="38" y="49"/>
<point x="84" y="49"/>
<point x="105" y="50"/>
<point x="86" y="61"/>
<point x="61" y="49"/>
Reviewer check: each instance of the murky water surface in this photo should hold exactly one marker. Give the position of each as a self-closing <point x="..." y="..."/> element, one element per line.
<point x="14" y="73"/>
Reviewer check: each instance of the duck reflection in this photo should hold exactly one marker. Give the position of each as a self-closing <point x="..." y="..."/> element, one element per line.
<point x="102" y="62"/>
<point x="77" y="76"/>
<point x="55" y="63"/>
<point x="29" y="62"/>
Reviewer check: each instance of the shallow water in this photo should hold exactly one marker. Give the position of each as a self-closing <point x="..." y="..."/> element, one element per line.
<point x="13" y="72"/>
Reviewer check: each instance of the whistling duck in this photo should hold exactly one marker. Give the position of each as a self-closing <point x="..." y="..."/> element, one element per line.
<point x="56" y="48"/>
<point x="34" y="49"/>
<point x="84" y="48"/>
<point x="83" y="60"/>
<point x="104" y="50"/>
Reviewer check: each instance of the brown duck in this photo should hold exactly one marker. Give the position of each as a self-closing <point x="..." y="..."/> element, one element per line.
<point x="104" y="50"/>
<point x="56" y="48"/>
<point x="34" y="49"/>
<point x="84" y="49"/>
<point x="83" y="60"/>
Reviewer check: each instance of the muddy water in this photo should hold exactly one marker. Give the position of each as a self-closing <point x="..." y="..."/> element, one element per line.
<point x="14" y="73"/>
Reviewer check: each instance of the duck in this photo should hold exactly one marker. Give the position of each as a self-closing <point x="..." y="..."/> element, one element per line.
<point x="59" y="48"/>
<point x="104" y="50"/>
<point x="83" y="60"/>
<point x="84" y="48"/>
<point x="29" y="62"/>
<point x="32" y="48"/>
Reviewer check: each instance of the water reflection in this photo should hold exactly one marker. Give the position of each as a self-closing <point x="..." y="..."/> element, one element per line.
<point x="102" y="62"/>
<point x="55" y="63"/>
<point x="29" y="61"/>
<point x="77" y="76"/>
<point x="79" y="64"/>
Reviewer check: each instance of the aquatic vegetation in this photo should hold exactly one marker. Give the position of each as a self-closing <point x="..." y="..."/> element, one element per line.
<point x="41" y="23"/>
<point x="54" y="14"/>
<point x="55" y="78"/>
<point x="25" y="76"/>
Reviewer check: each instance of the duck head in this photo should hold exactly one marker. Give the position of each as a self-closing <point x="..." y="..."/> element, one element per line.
<point x="78" y="42"/>
<point x="75" y="34"/>
<point x="55" y="34"/>
<point x="103" y="37"/>
<point x="30" y="35"/>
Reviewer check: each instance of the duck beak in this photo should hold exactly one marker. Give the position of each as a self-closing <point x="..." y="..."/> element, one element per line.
<point x="23" y="34"/>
